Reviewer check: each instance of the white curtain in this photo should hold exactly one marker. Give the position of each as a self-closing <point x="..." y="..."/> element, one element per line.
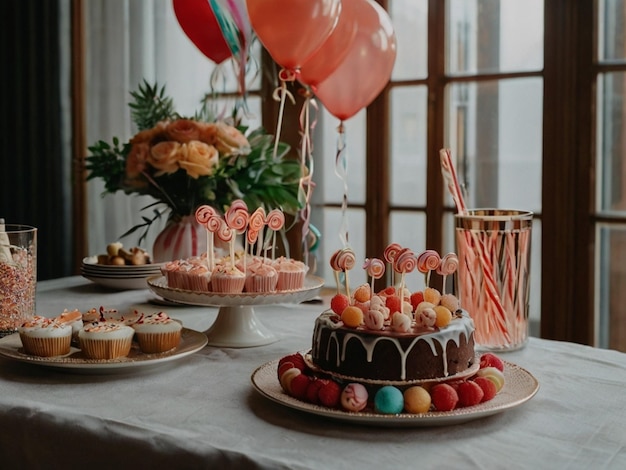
<point x="128" y="41"/>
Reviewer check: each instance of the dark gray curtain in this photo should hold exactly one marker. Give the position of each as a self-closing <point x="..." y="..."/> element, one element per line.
<point x="35" y="186"/>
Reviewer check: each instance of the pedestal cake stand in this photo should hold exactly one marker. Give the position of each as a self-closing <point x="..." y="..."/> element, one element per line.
<point x="237" y="325"/>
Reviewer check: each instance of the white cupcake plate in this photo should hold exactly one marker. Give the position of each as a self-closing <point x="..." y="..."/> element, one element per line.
<point x="237" y="325"/>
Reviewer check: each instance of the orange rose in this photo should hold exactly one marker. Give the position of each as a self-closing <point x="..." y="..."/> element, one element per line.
<point x="164" y="157"/>
<point x="148" y="134"/>
<point x="199" y="159"/>
<point x="230" y="141"/>
<point x="136" y="161"/>
<point x="183" y="130"/>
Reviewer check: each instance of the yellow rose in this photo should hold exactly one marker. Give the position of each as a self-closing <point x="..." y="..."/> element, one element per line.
<point x="229" y="140"/>
<point x="199" y="159"/>
<point x="164" y="157"/>
<point x="183" y="130"/>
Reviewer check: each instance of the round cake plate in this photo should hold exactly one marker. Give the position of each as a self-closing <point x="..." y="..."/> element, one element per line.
<point x="236" y="324"/>
<point x="519" y="387"/>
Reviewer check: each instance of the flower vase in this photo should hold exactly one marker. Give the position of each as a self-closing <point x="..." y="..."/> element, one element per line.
<point x="182" y="238"/>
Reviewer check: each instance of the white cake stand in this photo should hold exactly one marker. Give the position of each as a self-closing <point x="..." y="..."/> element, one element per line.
<point x="236" y="325"/>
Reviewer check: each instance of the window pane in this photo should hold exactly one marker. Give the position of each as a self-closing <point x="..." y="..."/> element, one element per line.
<point x="487" y="37"/>
<point x="410" y="18"/>
<point x="494" y="130"/>
<point x="611" y="158"/>
<point x="330" y="184"/>
<point x="332" y="220"/>
<point x="409" y="230"/>
<point x="408" y="146"/>
<point x="611" y="318"/>
<point x="611" y="41"/>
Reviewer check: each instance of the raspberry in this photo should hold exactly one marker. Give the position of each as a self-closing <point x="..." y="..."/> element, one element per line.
<point x="488" y="387"/>
<point x="491" y="360"/>
<point x="291" y="361"/>
<point x="329" y="393"/>
<point x="416" y="299"/>
<point x="312" y="391"/>
<point x="387" y="291"/>
<point x="338" y="303"/>
<point x="444" y="397"/>
<point x="393" y="303"/>
<point x="299" y="386"/>
<point x="470" y="393"/>
<point x="494" y="374"/>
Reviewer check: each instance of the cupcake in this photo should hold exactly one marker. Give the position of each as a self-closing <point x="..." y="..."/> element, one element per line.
<point x="227" y="279"/>
<point x="291" y="273"/>
<point x="157" y="333"/>
<point x="73" y="318"/>
<point x="45" y="337"/>
<point x="261" y="277"/>
<point x="105" y="340"/>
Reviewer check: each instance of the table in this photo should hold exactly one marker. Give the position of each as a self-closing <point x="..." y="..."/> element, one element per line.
<point x="202" y="411"/>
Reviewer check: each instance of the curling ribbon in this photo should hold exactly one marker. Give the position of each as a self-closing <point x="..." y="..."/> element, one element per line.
<point x="281" y="93"/>
<point x="306" y="184"/>
<point x="341" y="167"/>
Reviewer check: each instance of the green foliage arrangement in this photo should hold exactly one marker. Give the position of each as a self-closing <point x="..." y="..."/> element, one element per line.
<point x="187" y="162"/>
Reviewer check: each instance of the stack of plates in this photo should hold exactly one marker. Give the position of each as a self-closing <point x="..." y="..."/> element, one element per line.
<point x="118" y="277"/>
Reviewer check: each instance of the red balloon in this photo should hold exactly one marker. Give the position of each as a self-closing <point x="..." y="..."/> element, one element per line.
<point x="292" y="30"/>
<point x="332" y="52"/>
<point x="366" y="69"/>
<point x="200" y="25"/>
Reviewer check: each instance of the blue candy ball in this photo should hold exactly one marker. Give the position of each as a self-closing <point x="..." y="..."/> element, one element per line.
<point x="389" y="400"/>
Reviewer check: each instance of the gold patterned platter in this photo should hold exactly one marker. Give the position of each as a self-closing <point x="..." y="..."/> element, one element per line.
<point x="191" y="342"/>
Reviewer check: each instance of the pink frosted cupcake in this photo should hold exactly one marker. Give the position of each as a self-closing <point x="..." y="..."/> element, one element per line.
<point x="291" y="273"/>
<point x="157" y="333"/>
<point x="105" y="340"/>
<point x="45" y="337"/>
<point x="261" y="277"/>
<point x="227" y="279"/>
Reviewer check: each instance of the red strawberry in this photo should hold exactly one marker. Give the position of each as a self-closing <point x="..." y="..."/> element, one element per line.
<point x="470" y="393"/>
<point x="299" y="386"/>
<point x="444" y="397"/>
<point x="393" y="303"/>
<point x="312" y="391"/>
<point x="338" y="303"/>
<point x="491" y="360"/>
<point x="329" y="393"/>
<point x="416" y="299"/>
<point x="488" y="387"/>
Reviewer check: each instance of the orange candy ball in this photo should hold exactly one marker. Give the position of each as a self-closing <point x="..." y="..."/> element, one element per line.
<point x="363" y="293"/>
<point x="444" y="316"/>
<point x="352" y="316"/>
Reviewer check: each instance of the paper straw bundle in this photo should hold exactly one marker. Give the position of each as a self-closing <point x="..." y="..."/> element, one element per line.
<point x="493" y="271"/>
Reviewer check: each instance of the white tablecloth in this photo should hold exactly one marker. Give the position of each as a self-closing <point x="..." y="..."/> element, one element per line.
<point x="202" y="411"/>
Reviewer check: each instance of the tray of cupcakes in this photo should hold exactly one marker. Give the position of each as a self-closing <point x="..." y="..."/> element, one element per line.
<point x="101" y="341"/>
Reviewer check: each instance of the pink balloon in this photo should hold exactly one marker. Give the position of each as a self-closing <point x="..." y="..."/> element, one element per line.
<point x="292" y="30"/>
<point x="334" y="50"/>
<point x="367" y="67"/>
